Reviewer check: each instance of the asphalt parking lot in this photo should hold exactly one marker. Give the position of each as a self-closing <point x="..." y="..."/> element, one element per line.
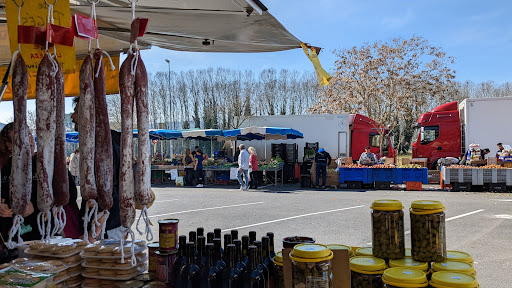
<point x="477" y="223"/>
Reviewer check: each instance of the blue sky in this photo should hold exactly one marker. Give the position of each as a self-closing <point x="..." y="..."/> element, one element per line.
<point x="477" y="33"/>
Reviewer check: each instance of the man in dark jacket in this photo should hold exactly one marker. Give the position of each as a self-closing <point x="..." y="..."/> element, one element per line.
<point x="322" y="160"/>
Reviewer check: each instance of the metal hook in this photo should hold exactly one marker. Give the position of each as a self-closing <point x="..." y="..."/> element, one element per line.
<point x="131" y="1"/>
<point x="22" y="3"/>
<point x="92" y="1"/>
<point x="54" y="3"/>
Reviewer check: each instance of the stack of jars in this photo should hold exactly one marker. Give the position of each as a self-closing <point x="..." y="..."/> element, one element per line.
<point x="410" y="268"/>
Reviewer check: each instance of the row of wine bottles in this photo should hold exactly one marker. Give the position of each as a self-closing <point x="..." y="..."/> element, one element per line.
<point x="240" y="263"/>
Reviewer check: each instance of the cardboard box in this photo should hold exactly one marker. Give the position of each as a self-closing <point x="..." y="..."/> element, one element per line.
<point x="419" y="161"/>
<point x="389" y="161"/>
<point x="340" y="266"/>
<point x="404" y="161"/>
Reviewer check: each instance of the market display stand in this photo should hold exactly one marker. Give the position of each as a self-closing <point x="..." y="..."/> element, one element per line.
<point x="465" y="179"/>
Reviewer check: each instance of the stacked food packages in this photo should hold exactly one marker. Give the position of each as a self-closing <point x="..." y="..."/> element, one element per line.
<point x="106" y="265"/>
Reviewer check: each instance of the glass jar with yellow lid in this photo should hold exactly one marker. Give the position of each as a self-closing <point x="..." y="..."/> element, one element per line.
<point x="366" y="271"/>
<point x="311" y="265"/>
<point x="404" y="278"/>
<point x="388" y="238"/>
<point x="453" y="280"/>
<point x="410" y="263"/>
<point x="428" y="232"/>
<point x="364" y="251"/>
<point x="341" y="247"/>
<point x="278" y="277"/>
<point x="459" y="256"/>
<point x="454" y="266"/>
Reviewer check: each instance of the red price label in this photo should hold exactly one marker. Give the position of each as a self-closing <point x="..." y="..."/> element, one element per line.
<point x="155" y="141"/>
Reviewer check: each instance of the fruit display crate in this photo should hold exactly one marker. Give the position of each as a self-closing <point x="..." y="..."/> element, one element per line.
<point x="354" y="175"/>
<point x="383" y="175"/>
<point x="497" y="176"/>
<point x="405" y="175"/>
<point x="462" y="175"/>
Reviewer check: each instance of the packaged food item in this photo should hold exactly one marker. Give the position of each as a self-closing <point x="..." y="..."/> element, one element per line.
<point x="453" y="280"/>
<point x="454" y="266"/>
<point x="410" y="263"/>
<point x="364" y="251"/>
<point x="404" y="278"/>
<point x="388" y="238"/>
<point x="12" y="277"/>
<point x="311" y="265"/>
<point x="367" y="272"/>
<point x="428" y="232"/>
<point x="459" y="256"/>
<point x="278" y="270"/>
<point x="341" y="247"/>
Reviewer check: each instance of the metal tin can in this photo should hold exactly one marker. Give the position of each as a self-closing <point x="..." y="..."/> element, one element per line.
<point x="165" y="261"/>
<point x="168" y="229"/>
<point x="152" y="247"/>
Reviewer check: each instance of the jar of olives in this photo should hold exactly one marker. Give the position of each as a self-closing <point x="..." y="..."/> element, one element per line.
<point x="311" y="265"/>
<point x="410" y="263"/>
<point x="367" y="272"/>
<point x="278" y="270"/>
<point x="453" y="280"/>
<point x="428" y="232"/>
<point x="404" y="277"/>
<point x="341" y="247"/>
<point x="388" y="238"/>
<point x="454" y="266"/>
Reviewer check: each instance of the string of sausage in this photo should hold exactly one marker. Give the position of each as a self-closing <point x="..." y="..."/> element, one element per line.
<point x="60" y="174"/>
<point x="103" y="158"/>
<point x="21" y="173"/>
<point x="143" y="183"/>
<point x="86" y="130"/>
<point x="45" y="130"/>
<point x="126" y="177"/>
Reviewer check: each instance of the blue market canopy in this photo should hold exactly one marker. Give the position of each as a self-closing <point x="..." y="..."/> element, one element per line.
<point x="262" y="133"/>
<point x="202" y="134"/>
<point x="72" y="137"/>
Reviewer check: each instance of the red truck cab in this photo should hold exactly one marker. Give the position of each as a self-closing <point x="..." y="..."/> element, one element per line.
<point x="367" y="132"/>
<point x="437" y="134"/>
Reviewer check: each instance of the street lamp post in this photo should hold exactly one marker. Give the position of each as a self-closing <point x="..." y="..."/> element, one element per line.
<point x="170" y="103"/>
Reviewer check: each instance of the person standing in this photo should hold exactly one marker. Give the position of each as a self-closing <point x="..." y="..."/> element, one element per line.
<point x="322" y="160"/>
<point x="500" y="149"/>
<point x="199" y="167"/>
<point x="189" y="163"/>
<point x="243" y="168"/>
<point x="74" y="166"/>
<point x="253" y="164"/>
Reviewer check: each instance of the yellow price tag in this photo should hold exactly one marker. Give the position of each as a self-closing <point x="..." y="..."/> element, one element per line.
<point x="35" y="13"/>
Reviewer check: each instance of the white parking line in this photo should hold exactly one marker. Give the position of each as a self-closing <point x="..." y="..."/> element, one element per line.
<point x="293" y="217"/>
<point x="157" y="201"/>
<point x="204" y="209"/>
<point x="502" y="200"/>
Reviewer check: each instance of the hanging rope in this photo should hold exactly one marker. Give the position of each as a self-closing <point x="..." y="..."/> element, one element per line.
<point x="50" y="19"/>
<point x="91" y="213"/>
<point x="106" y="214"/>
<point x="56" y="224"/>
<point x="45" y="231"/>
<point x="144" y="215"/>
<point x="15" y="229"/>
<point x="134" y="47"/>
<point x="15" y="54"/>
<point x="128" y="233"/>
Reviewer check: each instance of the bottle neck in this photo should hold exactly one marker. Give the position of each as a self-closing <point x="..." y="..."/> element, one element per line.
<point x="253" y="262"/>
<point x="182" y="249"/>
<point x="190" y="255"/>
<point x="210" y="257"/>
<point x="271" y="243"/>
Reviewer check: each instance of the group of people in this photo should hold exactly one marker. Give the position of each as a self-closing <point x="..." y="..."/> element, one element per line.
<point x="248" y="161"/>
<point x="193" y="163"/>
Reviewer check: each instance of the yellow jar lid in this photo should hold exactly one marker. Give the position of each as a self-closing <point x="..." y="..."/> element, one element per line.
<point x="409" y="263"/>
<point x="341" y="247"/>
<point x="427" y="205"/>
<point x="454" y="266"/>
<point x="459" y="256"/>
<point x="367" y="265"/>
<point x="453" y="279"/>
<point x="387" y="205"/>
<point x="408" y="252"/>
<point x="364" y="251"/>
<point x="404" y="277"/>
<point x="310" y="253"/>
<point x="278" y="259"/>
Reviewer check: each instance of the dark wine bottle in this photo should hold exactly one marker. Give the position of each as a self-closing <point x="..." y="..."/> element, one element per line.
<point x="227" y="241"/>
<point x="201" y="258"/>
<point x="271" y="245"/>
<point x="231" y="274"/>
<point x="252" y="278"/>
<point x="261" y="267"/>
<point x="209" y="237"/>
<point x="267" y="262"/>
<point x="245" y="249"/>
<point x="252" y="237"/>
<point x="192" y="237"/>
<point x="190" y="273"/>
<point x="179" y="262"/>
<point x="200" y="231"/>
<point x="234" y="234"/>
<point x="219" y="263"/>
<point x="209" y="271"/>
<point x="240" y="264"/>
<point x="217" y="233"/>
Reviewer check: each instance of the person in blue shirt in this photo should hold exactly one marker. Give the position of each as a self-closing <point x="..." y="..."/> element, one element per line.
<point x="199" y="156"/>
<point x="322" y="160"/>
